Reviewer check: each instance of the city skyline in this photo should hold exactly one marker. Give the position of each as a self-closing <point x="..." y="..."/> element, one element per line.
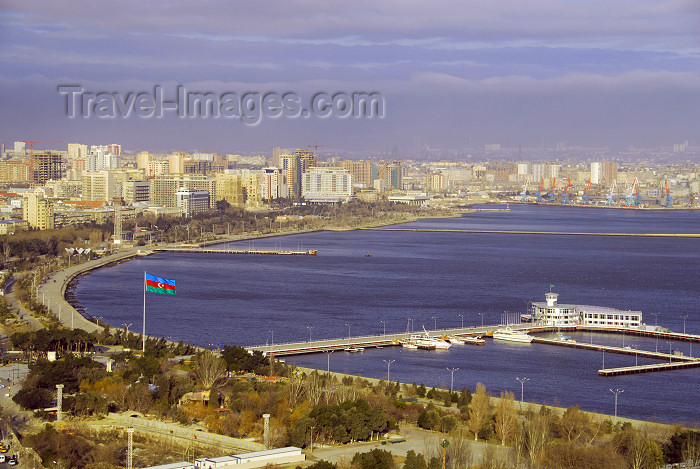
<point x="452" y="75"/>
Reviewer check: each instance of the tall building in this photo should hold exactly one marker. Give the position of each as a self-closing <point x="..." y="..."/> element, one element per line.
<point x="273" y="186"/>
<point x="165" y="186"/>
<point x="289" y="165"/>
<point x="191" y="201"/>
<point x="154" y="168"/>
<point x="229" y="187"/>
<point x="38" y="212"/>
<point x="47" y="166"/>
<point x="276" y="152"/>
<point x="14" y="171"/>
<point x="134" y="191"/>
<point x="251" y="184"/>
<point x="142" y="160"/>
<point x="100" y="186"/>
<point x="77" y="150"/>
<point x="20" y="147"/>
<point x="603" y="172"/>
<point x="436" y="182"/>
<point x="330" y="185"/>
<point x="361" y="171"/>
<point x="177" y="163"/>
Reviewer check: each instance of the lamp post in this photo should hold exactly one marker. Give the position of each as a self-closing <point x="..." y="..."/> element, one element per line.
<point x="452" y="378"/>
<point x="462" y="316"/>
<point x="670" y="354"/>
<point x="635" y="355"/>
<point x="348" y="329"/>
<point x="522" y="389"/>
<point x="603" y="350"/>
<point x="616" y="392"/>
<point x="656" y="320"/>
<point x="388" y="369"/>
<point x="684" y="318"/>
<point x="434" y="322"/>
<point x="328" y="361"/>
<point x="384" y="323"/>
<point x="482" y="319"/>
<point x="97" y="318"/>
<point x="309" y="328"/>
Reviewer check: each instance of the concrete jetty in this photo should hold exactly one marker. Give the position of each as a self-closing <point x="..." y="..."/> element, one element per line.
<point x="551" y="233"/>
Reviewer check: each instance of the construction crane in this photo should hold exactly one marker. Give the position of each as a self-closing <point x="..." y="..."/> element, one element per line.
<point x="523" y="194"/>
<point x="669" y="199"/>
<point x="565" y="195"/>
<point x="550" y="196"/>
<point x="584" y="197"/>
<point x="633" y="198"/>
<point x="539" y="191"/>
<point x="609" y="198"/>
<point x="315" y="146"/>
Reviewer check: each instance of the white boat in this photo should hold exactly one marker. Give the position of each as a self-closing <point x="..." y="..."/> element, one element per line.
<point x="428" y="341"/>
<point x="406" y="343"/>
<point x="474" y="340"/>
<point x="512" y="335"/>
<point x="354" y="349"/>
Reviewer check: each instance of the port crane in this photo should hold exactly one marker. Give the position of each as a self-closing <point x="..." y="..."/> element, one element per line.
<point x="539" y="191"/>
<point x="565" y="196"/>
<point x="584" y="197"/>
<point x="633" y="197"/>
<point x="550" y="196"/>
<point x="609" y="198"/>
<point x="523" y="194"/>
<point x="669" y="199"/>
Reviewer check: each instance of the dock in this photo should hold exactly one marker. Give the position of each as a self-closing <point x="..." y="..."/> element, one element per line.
<point x="627" y="370"/>
<point x="272" y="252"/>
<point x="550" y="233"/>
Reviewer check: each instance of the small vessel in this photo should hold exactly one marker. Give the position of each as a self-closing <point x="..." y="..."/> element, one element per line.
<point x="406" y="343"/>
<point x="512" y="335"/>
<point x="354" y="349"/>
<point x="477" y="340"/>
<point x="369" y="254"/>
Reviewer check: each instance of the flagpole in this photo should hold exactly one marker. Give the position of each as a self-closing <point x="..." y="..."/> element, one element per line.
<point x="144" y="312"/>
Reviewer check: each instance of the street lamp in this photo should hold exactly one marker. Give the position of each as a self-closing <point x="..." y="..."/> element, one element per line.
<point x="603" y="350"/>
<point x="348" y="329"/>
<point x="452" y="379"/>
<point x="616" y="392"/>
<point x="462" y="316"/>
<point x="684" y="318"/>
<point x="482" y="319"/>
<point x="434" y="322"/>
<point x="384" y="323"/>
<point x="522" y="389"/>
<point x="388" y="368"/>
<point x="309" y="328"/>
<point x="656" y="319"/>
<point x="635" y="354"/>
<point x="670" y="354"/>
<point x="328" y="361"/>
<point x="97" y="318"/>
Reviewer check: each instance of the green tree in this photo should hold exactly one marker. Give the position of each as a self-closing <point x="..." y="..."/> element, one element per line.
<point x="479" y="411"/>
<point x="375" y="459"/>
<point x="429" y="419"/>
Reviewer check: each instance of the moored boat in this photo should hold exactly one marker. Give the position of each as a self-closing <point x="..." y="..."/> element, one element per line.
<point x="512" y="335"/>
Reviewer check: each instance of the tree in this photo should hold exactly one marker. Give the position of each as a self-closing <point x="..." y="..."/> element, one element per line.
<point x="375" y="459"/>
<point x="505" y="417"/>
<point x="33" y="398"/>
<point x="208" y="369"/>
<point x="429" y="419"/>
<point x="479" y="411"/>
<point x="536" y="435"/>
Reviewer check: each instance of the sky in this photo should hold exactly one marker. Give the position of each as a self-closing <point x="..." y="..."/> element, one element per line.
<point x="450" y="74"/>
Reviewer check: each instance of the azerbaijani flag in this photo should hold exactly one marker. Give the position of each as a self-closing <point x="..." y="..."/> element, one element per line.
<point x="160" y="285"/>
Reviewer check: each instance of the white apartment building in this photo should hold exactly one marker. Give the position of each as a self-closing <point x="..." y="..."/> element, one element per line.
<point x="100" y="186"/>
<point x="164" y="187"/>
<point x="329" y="185"/>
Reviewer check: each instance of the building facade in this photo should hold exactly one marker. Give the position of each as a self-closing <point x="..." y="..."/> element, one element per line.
<point x="191" y="201"/>
<point x="165" y="186"/>
<point x="327" y="185"/>
<point x="551" y="313"/>
<point x="38" y="212"/>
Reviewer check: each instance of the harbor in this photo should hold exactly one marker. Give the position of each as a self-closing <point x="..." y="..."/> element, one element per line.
<point x="670" y="361"/>
<point x="269" y="252"/>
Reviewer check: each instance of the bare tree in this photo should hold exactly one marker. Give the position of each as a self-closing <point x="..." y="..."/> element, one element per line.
<point x="536" y="436"/>
<point x="209" y="369"/>
<point x="505" y="417"/>
<point x="460" y="451"/>
<point x="314" y="388"/>
<point x="479" y="410"/>
<point x="295" y="388"/>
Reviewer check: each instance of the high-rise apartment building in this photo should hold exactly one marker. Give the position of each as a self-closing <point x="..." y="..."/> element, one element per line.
<point x="77" y="150"/>
<point x="165" y="186"/>
<point x="134" y="191"/>
<point x="14" y="171"/>
<point x="251" y="184"/>
<point x="100" y="186"/>
<point x="273" y="186"/>
<point x="177" y="163"/>
<point x="38" y="212"/>
<point x="361" y="171"/>
<point x="436" y="182"/>
<point x="330" y="185"/>
<point x="142" y="160"/>
<point x="603" y="172"/>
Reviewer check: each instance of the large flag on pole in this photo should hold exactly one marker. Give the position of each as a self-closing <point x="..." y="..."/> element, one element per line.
<point x="160" y="285"/>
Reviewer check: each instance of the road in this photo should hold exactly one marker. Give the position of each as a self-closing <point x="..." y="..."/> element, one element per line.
<point x="24" y="315"/>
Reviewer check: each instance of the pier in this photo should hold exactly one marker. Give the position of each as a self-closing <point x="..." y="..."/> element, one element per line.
<point x="670" y="361"/>
<point x="551" y="233"/>
<point x="271" y="252"/>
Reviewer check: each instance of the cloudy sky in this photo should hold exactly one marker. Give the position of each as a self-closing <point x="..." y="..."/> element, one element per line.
<point x="584" y="72"/>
